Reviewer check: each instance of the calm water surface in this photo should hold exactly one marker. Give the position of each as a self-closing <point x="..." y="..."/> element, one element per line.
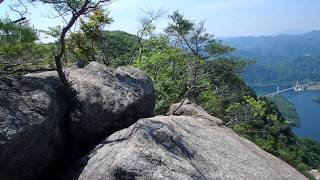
<point x="308" y="110"/>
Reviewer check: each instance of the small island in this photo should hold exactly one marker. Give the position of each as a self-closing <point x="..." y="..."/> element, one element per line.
<point x="317" y="99"/>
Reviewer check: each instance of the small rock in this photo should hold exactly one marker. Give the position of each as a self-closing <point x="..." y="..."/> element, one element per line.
<point x="315" y="173"/>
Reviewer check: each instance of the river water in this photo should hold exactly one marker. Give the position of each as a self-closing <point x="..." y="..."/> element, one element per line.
<point x="308" y="110"/>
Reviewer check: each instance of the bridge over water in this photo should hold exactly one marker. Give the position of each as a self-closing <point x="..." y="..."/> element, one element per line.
<point x="296" y="88"/>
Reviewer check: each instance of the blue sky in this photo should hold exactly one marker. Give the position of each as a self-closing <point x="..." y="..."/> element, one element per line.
<point x="229" y="17"/>
<point x="224" y="18"/>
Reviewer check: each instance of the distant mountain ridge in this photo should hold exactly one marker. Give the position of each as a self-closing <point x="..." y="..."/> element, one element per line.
<point x="279" y="48"/>
<point x="280" y="59"/>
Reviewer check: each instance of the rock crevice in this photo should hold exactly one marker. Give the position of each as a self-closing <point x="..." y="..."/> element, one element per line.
<point x="40" y="130"/>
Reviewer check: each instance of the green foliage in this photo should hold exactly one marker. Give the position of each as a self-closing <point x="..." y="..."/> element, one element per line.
<point x="213" y="104"/>
<point x="182" y="71"/>
<point x="287" y="110"/>
<point x="303" y="155"/>
<point x="193" y="37"/>
<point x="118" y="47"/>
<point x="15" y="39"/>
<point x="12" y="33"/>
<point x="113" y="48"/>
<point x="221" y="91"/>
<point x="179" y="26"/>
<point x="79" y="48"/>
<point x="167" y="68"/>
<point x="82" y="46"/>
<point x="225" y="74"/>
<point x="308" y="151"/>
<point x="96" y="20"/>
<point x="255" y="113"/>
<point x="259" y="121"/>
<point x="214" y="48"/>
<point x="302" y="68"/>
<point x="19" y="52"/>
<point x="53" y="31"/>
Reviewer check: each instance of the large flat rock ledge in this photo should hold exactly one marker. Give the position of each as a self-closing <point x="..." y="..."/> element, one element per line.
<point x="192" y="146"/>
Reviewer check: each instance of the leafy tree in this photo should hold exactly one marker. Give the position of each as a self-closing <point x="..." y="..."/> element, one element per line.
<point x="83" y="45"/>
<point x="225" y="76"/>
<point x="73" y="9"/>
<point x="147" y="28"/>
<point x="178" y="62"/>
<point x="19" y="53"/>
<point x="193" y="37"/>
<point x="114" y="48"/>
<point x="79" y="49"/>
<point x="188" y="63"/>
<point x="260" y="121"/>
<point x="118" y="48"/>
<point x="92" y="29"/>
<point x="201" y="46"/>
<point x="166" y="66"/>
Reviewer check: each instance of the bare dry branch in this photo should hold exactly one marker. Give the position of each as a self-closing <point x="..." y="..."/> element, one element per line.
<point x="17" y="9"/>
<point x="146" y="23"/>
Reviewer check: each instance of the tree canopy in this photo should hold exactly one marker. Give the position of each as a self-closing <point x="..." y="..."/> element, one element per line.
<point x="19" y="52"/>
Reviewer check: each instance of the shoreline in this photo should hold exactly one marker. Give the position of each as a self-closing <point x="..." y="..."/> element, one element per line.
<point x="315" y="87"/>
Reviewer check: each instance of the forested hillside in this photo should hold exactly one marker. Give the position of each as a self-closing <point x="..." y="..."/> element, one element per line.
<point x="287" y="110"/>
<point x="281" y="59"/>
<point x="180" y="71"/>
<point x="303" y="68"/>
<point x="279" y="48"/>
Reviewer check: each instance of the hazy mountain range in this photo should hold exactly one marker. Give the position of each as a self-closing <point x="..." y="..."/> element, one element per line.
<point x="280" y="59"/>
